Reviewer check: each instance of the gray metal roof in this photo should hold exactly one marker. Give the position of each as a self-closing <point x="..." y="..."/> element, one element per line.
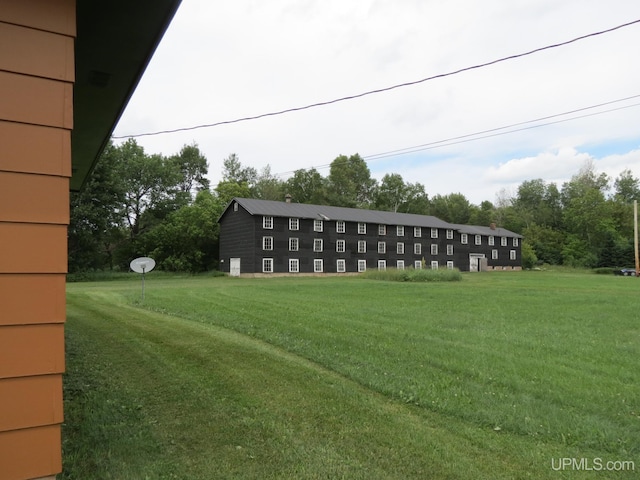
<point x="486" y="231"/>
<point x="325" y="212"/>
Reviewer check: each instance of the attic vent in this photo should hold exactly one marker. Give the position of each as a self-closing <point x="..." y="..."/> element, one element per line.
<point x="235" y="206"/>
<point x="99" y="79"/>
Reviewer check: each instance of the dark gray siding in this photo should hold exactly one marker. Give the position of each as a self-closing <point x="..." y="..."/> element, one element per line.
<point x="463" y="251"/>
<point x="242" y="233"/>
<point x="330" y="237"/>
<point x="236" y="239"/>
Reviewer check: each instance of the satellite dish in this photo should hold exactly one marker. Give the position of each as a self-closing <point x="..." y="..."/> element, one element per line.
<point x="142" y="264"/>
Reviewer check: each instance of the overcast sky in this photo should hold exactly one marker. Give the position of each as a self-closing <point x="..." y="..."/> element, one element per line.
<point x="222" y="61"/>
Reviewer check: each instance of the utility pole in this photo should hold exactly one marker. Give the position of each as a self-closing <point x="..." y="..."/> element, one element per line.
<point x="635" y="236"/>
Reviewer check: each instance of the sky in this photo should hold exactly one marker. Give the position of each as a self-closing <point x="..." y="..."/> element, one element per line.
<point x="222" y="61"/>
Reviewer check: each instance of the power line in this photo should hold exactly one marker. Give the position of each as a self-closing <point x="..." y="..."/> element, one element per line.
<point x="476" y="135"/>
<point x="380" y="90"/>
<point x="379" y="156"/>
<point x="493" y="132"/>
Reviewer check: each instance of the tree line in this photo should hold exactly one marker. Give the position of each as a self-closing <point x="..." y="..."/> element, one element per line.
<point x="136" y="204"/>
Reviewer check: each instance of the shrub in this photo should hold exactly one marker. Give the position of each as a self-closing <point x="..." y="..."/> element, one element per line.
<point x="603" y="270"/>
<point x="413" y="275"/>
<point x="97" y="276"/>
<point x="529" y="258"/>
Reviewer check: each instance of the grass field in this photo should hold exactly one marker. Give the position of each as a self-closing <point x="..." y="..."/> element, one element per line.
<point x="497" y="376"/>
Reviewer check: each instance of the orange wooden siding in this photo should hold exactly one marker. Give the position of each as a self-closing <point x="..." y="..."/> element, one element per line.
<point x="36" y="117"/>
<point x="36" y="100"/>
<point x="30" y="453"/>
<point x="34" y="198"/>
<point x="33" y="248"/>
<point x="35" y="149"/>
<point x="23" y="405"/>
<point x="34" y="52"/>
<point x="32" y="299"/>
<point x="57" y="16"/>
<point x="31" y="350"/>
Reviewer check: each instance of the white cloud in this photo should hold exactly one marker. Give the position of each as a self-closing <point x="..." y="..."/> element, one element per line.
<point x="225" y="60"/>
<point x="560" y="164"/>
<point x="614" y="165"/>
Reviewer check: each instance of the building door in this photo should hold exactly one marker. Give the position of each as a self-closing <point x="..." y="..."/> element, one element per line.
<point x="474" y="261"/>
<point x="234" y="267"/>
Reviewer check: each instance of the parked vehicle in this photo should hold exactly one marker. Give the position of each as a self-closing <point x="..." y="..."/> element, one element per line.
<point x="627" y="272"/>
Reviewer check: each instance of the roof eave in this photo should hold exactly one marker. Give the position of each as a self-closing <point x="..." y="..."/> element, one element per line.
<point x="114" y="45"/>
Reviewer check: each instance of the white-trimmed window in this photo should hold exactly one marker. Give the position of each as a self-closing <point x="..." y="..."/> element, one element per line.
<point x="434" y="249"/>
<point x="293" y="244"/>
<point x="318" y="266"/>
<point x="478" y="239"/>
<point x="417" y="264"/>
<point x="434" y="233"/>
<point x="340" y="246"/>
<point x="362" y="265"/>
<point x="318" y="225"/>
<point x="341" y="265"/>
<point x="417" y="249"/>
<point x="382" y="264"/>
<point x="294" y="224"/>
<point x="362" y="228"/>
<point x="492" y="240"/>
<point x="400" y="248"/>
<point x="382" y="247"/>
<point x="464" y="238"/>
<point x="382" y="229"/>
<point x="340" y="226"/>
<point x="267" y="243"/>
<point x="362" y="246"/>
<point x="400" y="264"/>
<point x="235" y="206"/>
<point x="417" y="232"/>
<point x="450" y="265"/>
<point x="267" y="222"/>
<point x="400" y="231"/>
<point x="434" y="265"/>
<point x="449" y="234"/>
<point x="317" y="245"/>
<point x="294" y="265"/>
<point x="512" y="254"/>
<point x="267" y="265"/>
<point x="449" y="249"/>
<point x="503" y="241"/>
<point x="515" y="242"/>
<point x="494" y="254"/>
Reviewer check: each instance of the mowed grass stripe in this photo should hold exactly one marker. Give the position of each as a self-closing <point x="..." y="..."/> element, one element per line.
<point x="354" y="379"/>
<point x="558" y="364"/>
<point x="224" y="405"/>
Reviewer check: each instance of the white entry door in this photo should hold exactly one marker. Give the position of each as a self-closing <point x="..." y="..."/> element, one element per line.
<point x="234" y="267"/>
<point x="474" y="262"/>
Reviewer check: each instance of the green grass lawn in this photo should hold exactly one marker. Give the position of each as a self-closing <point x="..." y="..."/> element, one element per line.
<point x="500" y="375"/>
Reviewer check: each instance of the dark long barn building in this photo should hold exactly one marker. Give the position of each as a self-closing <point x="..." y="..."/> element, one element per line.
<point x="270" y="237"/>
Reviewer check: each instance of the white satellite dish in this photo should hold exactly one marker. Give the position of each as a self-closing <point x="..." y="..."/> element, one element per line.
<point x="142" y="265"/>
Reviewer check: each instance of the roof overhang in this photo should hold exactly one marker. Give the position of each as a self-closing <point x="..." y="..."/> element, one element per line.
<point x="115" y="41"/>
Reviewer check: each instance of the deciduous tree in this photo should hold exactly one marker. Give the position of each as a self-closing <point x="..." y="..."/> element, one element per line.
<point x="95" y="220"/>
<point x="306" y="186"/>
<point x="193" y="168"/>
<point x="454" y="208"/>
<point x="350" y="182"/>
